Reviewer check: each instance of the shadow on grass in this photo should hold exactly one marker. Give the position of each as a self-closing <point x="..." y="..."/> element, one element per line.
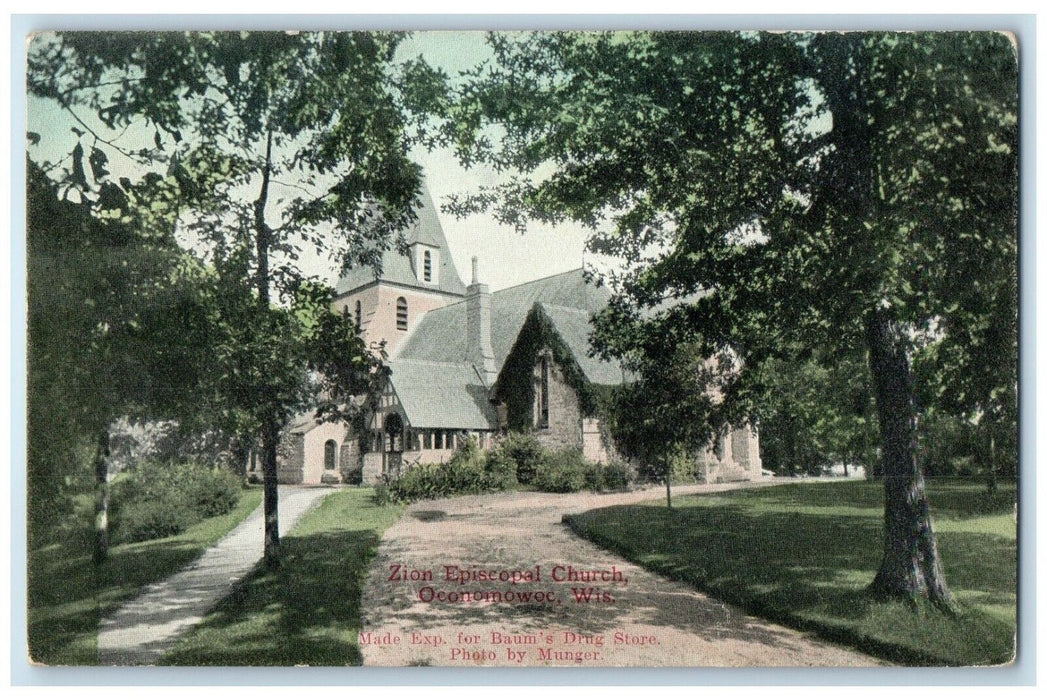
<point x="799" y="555"/>
<point x="306" y="612"/>
<point x="67" y="594"/>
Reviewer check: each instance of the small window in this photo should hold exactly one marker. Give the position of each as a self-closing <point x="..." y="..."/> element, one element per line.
<point x="345" y="311"/>
<point x="543" y="418"/>
<point x="427" y="266"/>
<point x="401" y="314"/>
<point x="330" y="454"/>
<point x="359" y="313"/>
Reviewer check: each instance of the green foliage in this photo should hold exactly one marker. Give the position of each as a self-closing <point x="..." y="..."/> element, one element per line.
<point x="464" y="473"/>
<point x="104" y="340"/>
<point x="802" y="554"/>
<point x="525" y="451"/>
<point x="227" y="112"/>
<point x="516" y="378"/>
<point x="307" y="612"/>
<point x="594" y="479"/>
<point x="501" y="470"/>
<point x="816" y="412"/>
<point x="618" y="476"/>
<point x="163" y="499"/>
<point x="382" y="494"/>
<point x="777" y="192"/>
<point x="67" y="592"/>
<point x="562" y="471"/>
<point x="669" y="411"/>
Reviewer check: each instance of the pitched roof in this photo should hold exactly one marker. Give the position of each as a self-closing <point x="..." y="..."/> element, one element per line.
<point x="397" y="268"/>
<point x="442" y="395"/>
<point x="440" y="335"/>
<point x="572" y="325"/>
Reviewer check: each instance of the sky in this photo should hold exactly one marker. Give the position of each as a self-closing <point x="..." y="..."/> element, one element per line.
<point x="506" y="258"/>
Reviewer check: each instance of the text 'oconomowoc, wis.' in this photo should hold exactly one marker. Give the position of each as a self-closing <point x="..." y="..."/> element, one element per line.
<point x="457" y="583"/>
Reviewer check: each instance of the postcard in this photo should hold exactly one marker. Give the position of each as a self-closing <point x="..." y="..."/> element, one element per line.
<point x="522" y="349"/>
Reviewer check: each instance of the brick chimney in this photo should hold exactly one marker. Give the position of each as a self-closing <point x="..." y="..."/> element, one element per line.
<point x="478" y="327"/>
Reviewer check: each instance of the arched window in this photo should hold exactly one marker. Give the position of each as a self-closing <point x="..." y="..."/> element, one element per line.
<point x="345" y="310"/>
<point x="401" y="314"/>
<point x="427" y="266"/>
<point x="330" y="454"/>
<point x="359" y="314"/>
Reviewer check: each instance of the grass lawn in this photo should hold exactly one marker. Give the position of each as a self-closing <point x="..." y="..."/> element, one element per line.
<point x="307" y="612"/>
<point x="67" y="593"/>
<point x="802" y="554"/>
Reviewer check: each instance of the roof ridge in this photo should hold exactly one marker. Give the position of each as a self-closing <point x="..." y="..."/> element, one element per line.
<point x="419" y="360"/>
<point x="539" y="279"/>
<point x="579" y="309"/>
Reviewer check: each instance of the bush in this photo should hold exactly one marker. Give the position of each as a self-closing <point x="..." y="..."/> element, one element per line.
<point x="618" y="476"/>
<point x="561" y="472"/>
<point x="501" y="470"/>
<point x="149" y="520"/>
<point x="382" y="497"/>
<point x="594" y="476"/>
<point x="464" y="473"/>
<point x="160" y="499"/>
<point x="526" y="452"/>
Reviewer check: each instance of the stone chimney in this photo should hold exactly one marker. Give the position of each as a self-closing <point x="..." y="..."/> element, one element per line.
<point x="478" y="327"/>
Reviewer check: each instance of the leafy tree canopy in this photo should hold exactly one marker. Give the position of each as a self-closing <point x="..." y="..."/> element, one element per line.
<point x="775" y="192"/>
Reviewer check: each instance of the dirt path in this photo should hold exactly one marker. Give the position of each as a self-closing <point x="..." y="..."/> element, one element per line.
<point x="652" y="622"/>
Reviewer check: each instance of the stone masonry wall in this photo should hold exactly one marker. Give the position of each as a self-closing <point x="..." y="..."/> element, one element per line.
<point x="565" y="414"/>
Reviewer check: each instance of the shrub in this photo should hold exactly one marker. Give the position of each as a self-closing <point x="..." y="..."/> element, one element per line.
<point x="382" y="496"/>
<point x="501" y="470"/>
<point x="211" y="492"/>
<point x="526" y="452"/>
<point x="618" y="476"/>
<point x="464" y="473"/>
<point x="561" y="472"/>
<point x="162" y="499"/>
<point x="594" y="478"/>
<point x="149" y="520"/>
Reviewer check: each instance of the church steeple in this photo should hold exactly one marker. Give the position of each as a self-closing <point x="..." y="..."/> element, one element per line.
<point x="425" y="235"/>
<point x="410" y="284"/>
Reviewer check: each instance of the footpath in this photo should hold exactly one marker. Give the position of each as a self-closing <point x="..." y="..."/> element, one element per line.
<point x="141" y="630"/>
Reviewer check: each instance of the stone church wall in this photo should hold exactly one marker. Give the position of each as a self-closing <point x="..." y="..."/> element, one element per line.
<point x="565" y="414"/>
<point x="733" y="456"/>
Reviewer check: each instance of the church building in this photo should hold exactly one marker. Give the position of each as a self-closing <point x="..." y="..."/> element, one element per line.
<point x="465" y="362"/>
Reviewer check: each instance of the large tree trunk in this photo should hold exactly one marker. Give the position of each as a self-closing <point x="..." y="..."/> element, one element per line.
<point x="270" y="436"/>
<point x="102" y="496"/>
<point x="911" y="566"/>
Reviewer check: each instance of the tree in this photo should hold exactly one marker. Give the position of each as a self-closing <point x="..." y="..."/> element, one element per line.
<point x="671" y="413"/>
<point x="230" y="123"/>
<point x="834" y="191"/>
<point x="814" y="412"/>
<point x="102" y="344"/>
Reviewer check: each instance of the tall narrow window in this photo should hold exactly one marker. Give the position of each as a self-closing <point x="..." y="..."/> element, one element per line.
<point x="401" y="314"/>
<point x="359" y="313"/>
<point x="544" y="403"/>
<point x="427" y="266"/>
<point x="330" y="454"/>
